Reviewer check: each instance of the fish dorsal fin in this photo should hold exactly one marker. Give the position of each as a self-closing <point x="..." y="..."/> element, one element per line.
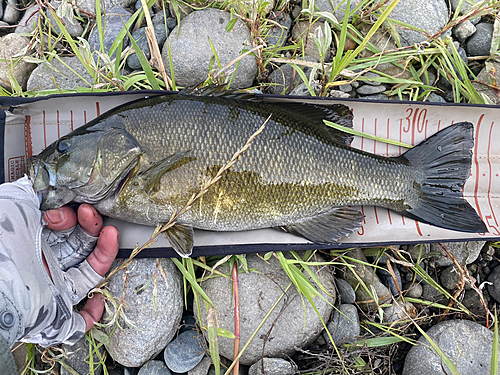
<point x="328" y="227"/>
<point x="315" y="114"/>
<point x="219" y="91"/>
<point x="153" y="174"/>
<point x="181" y="238"/>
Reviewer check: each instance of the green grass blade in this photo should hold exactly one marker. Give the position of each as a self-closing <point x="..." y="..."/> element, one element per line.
<point x="365" y="135"/>
<point x="494" y="351"/>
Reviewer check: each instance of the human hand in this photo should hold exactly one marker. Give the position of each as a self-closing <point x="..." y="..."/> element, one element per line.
<point x="100" y="259"/>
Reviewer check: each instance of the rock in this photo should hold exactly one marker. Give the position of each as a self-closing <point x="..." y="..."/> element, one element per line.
<point x="375" y="97"/>
<point x="463" y="252"/>
<point x="366" y="274"/>
<point x="202" y="367"/>
<point x="430" y="16"/>
<point x="414" y="291"/>
<point x="464" y="30"/>
<point x="29" y="19"/>
<point x="76" y="358"/>
<point x="450" y="277"/>
<point x="154" y="368"/>
<point x="339" y="94"/>
<point x="191" y="51"/>
<point x="185" y="352"/>
<point x="183" y="10"/>
<point x="299" y="35"/>
<point x="284" y="329"/>
<point x="466" y="5"/>
<point x="283" y="79"/>
<point x="494" y="278"/>
<point x="133" y="347"/>
<point x="465" y="343"/>
<point x="114" y="20"/>
<point x="344" y="325"/>
<point x="479" y="43"/>
<point x="372" y="75"/>
<point x="399" y="311"/>
<point x="74" y="29"/>
<point x="346" y="292"/>
<point x="140" y="38"/>
<point x="11" y="13"/>
<point x="44" y="76"/>
<point x="278" y="35"/>
<point x="435" y="98"/>
<point x="490" y="74"/>
<point x="473" y="303"/>
<point x="340" y="5"/>
<point x="10" y="45"/>
<point x="106" y="5"/>
<point x="300" y="90"/>
<point x="387" y="279"/>
<point x="346" y="88"/>
<point x="272" y="366"/>
<point x="429" y="293"/>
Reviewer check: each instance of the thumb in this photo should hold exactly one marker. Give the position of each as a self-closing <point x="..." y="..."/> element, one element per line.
<point x="92" y="311"/>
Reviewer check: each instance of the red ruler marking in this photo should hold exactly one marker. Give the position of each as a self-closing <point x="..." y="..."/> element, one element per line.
<point x="58" y="126"/>
<point x="476" y="162"/>
<point x="28" y="146"/>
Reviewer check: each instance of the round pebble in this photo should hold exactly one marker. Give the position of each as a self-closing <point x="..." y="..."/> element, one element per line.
<point x="272" y="366"/>
<point x="185" y="352"/>
<point x="370" y="90"/>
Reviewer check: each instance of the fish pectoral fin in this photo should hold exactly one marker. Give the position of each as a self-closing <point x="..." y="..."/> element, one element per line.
<point x="328" y="227"/>
<point x="153" y="174"/>
<point x="181" y="238"/>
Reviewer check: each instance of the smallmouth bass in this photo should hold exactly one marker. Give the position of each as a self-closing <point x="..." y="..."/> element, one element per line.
<point x="142" y="161"/>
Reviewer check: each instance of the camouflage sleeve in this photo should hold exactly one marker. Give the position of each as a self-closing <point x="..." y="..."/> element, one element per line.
<point x="36" y="307"/>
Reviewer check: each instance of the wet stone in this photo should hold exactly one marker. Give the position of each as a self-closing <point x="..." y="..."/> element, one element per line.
<point x="346" y="291"/>
<point x="344" y="324"/>
<point x="154" y="368"/>
<point x="185" y="352"/>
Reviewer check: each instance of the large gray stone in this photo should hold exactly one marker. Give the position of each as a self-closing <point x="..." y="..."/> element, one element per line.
<point x="272" y="366"/>
<point x="191" y="52"/>
<point x="158" y="322"/>
<point x="430" y="16"/>
<point x="462" y="251"/>
<point x="12" y="45"/>
<point x="202" y="367"/>
<point x="89" y="5"/>
<point x="44" y="76"/>
<point x="290" y="325"/>
<point x="465" y="343"/>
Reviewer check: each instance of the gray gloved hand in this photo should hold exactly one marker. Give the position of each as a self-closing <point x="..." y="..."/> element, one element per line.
<point x="44" y="272"/>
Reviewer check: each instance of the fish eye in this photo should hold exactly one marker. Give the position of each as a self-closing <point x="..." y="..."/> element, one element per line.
<point x="63" y="145"/>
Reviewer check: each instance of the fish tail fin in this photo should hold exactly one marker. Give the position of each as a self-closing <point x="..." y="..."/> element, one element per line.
<point x="445" y="160"/>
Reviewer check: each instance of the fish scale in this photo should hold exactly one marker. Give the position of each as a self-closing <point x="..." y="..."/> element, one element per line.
<point x="283" y="177"/>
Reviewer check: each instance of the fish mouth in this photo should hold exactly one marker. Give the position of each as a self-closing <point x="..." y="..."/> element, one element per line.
<point x="40" y="177"/>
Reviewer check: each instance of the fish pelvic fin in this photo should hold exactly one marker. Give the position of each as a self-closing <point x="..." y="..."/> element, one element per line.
<point x="328" y="227"/>
<point x="181" y="237"/>
<point x="445" y="160"/>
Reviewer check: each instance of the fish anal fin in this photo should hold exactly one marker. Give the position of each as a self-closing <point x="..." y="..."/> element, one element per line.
<point x="152" y="175"/>
<point x="180" y="236"/>
<point x="328" y="227"/>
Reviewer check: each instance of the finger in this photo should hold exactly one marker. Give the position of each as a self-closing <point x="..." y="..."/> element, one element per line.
<point x="59" y="219"/>
<point x="92" y="311"/>
<point x="105" y="252"/>
<point x="90" y="220"/>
